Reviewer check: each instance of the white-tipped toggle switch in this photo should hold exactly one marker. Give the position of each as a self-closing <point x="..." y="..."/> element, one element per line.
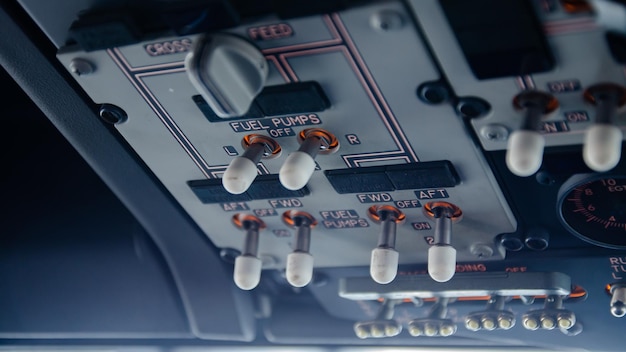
<point x="299" y="270"/>
<point x="384" y="260"/>
<point x="299" y="165"/>
<point x="247" y="271"/>
<point x="228" y="71"/>
<point x="441" y="262"/>
<point x="441" y="255"/>
<point x="602" y="147"/>
<point x="524" y="152"/>
<point x="242" y="170"/>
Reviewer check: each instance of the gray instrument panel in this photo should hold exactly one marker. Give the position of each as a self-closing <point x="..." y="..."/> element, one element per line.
<point x="374" y="112"/>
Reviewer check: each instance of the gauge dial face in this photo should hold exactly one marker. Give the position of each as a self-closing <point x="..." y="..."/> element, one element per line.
<point x="595" y="210"/>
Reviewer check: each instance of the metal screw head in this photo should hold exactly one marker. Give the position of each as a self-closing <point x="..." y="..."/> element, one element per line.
<point x="386" y="20"/>
<point x="81" y="67"/>
<point x="228" y="255"/>
<point x="112" y="114"/>
<point x="472" y="107"/>
<point x="435" y="92"/>
<point x="494" y="132"/>
<point x="481" y="250"/>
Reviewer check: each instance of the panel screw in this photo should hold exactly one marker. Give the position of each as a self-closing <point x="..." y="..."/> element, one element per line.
<point x="386" y="20"/>
<point x="481" y="250"/>
<point x="433" y="92"/>
<point x="494" y="132"/>
<point x="81" y="67"/>
<point x="472" y="107"/>
<point x="112" y="114"/>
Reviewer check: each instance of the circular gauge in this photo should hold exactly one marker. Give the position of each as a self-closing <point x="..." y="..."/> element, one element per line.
<point x="594" y="209"/>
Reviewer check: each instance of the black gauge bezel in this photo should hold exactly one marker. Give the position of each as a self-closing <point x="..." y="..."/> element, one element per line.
<point x="598" y="239"/>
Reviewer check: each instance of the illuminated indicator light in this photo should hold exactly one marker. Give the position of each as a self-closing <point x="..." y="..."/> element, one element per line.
<point x="447" y="330"/>
<point x="565" y="322"/>
<point x="392" y="330"/>
<point x="472" y="324"/>
<point x="524" y="152"/>
<point x="548" y="323"/>
<point x="530" y="323"/>
<point x="430" y="330"/>
<point x="376" y="331"/>
<point x="489" y="323"/>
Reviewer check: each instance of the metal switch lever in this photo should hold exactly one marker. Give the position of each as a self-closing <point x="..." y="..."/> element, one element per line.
<point x="299" y="166"/>
<point x="441" y="255"/>
<point x="247" y="271"/>
<point x="384" y="259"/>
<point x="299" y="269"/>
<point x="242" y="170"/>
<point x="524" y="152"/>
<point x="603" y="141"/>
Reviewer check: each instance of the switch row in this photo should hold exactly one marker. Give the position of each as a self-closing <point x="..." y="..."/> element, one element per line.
<point x="602" y="142"/>
<point x="493" y="317"/>
<point x="299" y="270"/>
<point x="295" y="172"/>
<point x="384" y="258"/>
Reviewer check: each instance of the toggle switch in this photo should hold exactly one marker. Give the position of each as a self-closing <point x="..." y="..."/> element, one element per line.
<point x="493" y="317"/>
<point x="247" y="272"/>
<point x="242" y="170"/>
<point x="618" y="300"/>
<point x="552" y="316"/>
<point x="441" y="255"/>
<point x="384" y="260"/>
<point x="299" y="166"/>
<point x="228" y="71"/>
<point x="524" y="152"/>
<point x="435" y="323"/>
<point x="383" y="325"/>
<point x="299" y="269"/>
<point x="602" y="147"/>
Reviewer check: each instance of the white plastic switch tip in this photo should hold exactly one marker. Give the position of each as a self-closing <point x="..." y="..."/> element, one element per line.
<point x="384" y="265"/>
<point x="524" y="152"/>
<point x="602" y="147"/>
<point x="441" y="262"/>
<point x="247" y="273"/>
<point x="299" y="269"/>
<point x="239" y="175"/>
<point x="297" y="170"/>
